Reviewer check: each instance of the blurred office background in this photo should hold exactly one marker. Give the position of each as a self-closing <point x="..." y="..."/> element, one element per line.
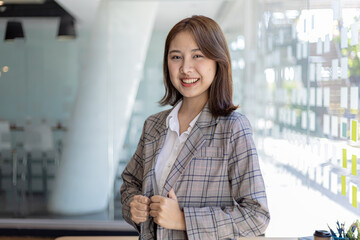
<point x="78" y="83"/>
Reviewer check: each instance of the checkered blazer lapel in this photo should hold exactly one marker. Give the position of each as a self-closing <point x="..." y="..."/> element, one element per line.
<point x="153" y="147"/>
<point x="153" y="143"/>
<point x="192" y="145"/>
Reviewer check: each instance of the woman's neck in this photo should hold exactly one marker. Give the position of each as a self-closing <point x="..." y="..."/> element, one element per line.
<point x="192" y="106"/>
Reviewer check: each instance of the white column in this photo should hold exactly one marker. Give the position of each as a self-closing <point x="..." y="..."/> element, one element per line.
<point x="107" y="90"/>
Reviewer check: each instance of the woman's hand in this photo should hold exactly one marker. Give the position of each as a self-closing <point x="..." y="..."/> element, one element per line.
<point x="166" y="212"/>
<point x="139" y="208"/>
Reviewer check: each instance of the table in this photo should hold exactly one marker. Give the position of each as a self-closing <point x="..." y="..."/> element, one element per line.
<point x="98" y="238"/>
<point x="135" y="238"/>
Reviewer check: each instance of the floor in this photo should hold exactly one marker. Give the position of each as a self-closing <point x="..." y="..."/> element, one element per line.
<point x="297" y="207"/>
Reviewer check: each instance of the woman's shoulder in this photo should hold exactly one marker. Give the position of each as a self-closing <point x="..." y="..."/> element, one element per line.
<point x="160" y="115"/>
<point x="236" y="120"/>
<point x="157" y="118"/>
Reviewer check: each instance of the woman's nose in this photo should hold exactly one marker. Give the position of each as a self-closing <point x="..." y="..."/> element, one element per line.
<point x="187" y="66"/>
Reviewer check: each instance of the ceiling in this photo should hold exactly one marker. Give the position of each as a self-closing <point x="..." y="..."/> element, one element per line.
<point x="169" y="11"/>
<point x="23" y="1"/>
<point x="31" y="8"/>
<point x="229" y="13"/>
<point x="282" y="5"/>
<point x="45" y="13"/>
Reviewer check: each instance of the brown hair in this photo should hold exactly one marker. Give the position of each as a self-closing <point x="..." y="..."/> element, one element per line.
<point x="212" y="43"/>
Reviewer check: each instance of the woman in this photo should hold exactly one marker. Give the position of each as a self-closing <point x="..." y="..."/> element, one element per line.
<point x="195" y="173"/>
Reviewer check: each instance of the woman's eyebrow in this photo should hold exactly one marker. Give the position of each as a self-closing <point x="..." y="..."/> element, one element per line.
<point x="178" y="51"/>
<point x="174" y="51"/>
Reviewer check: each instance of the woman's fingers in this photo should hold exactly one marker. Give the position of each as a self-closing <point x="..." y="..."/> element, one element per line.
<point x="139" y="208"/>
<point x="139" y="213"/>
<point x="142" y="199"/>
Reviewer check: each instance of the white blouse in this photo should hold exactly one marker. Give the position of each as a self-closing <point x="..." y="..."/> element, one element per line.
<point x="172" y="146"/>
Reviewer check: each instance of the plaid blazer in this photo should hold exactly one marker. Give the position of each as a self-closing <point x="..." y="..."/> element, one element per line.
<point x="216" y="178"/>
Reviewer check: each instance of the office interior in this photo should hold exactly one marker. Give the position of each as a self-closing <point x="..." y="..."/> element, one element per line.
<point x="72" y="107"/>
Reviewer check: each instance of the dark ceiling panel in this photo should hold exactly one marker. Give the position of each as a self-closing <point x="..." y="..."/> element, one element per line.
<point x="48" y="9"/>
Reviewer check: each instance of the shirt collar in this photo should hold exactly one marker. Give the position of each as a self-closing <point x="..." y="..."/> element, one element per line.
<point x="173" y="117"/>
<point x="192" y="123"/>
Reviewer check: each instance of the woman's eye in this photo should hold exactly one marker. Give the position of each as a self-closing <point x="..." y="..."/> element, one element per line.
<point x="175" y="57"/>
<point x="197" y="56"/>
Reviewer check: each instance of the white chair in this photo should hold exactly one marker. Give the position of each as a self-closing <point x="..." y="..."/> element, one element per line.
<point x="39" y="137"/>
<point x="5" y="157"/>
<point x="5" y="135"/>
<point x="13" y="170"/>
<point x="6" y="170"/>
<point x="39" y="143"/>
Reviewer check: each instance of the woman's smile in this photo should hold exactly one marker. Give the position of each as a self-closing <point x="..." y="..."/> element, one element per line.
<point x="189" y="82"/>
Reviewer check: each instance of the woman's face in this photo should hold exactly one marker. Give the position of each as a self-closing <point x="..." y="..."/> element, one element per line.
<point x="191" y="73"/>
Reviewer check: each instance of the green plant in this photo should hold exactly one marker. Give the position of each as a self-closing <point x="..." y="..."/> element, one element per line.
<point x="340" y="229"/>
<point x="354" y="228"/>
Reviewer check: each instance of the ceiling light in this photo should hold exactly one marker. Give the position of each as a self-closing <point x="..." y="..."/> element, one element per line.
<point x="66" y="28"/>
<point x="13" y="30"/>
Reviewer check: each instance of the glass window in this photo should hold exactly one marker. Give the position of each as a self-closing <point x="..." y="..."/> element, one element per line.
<point x="306" y="92"/>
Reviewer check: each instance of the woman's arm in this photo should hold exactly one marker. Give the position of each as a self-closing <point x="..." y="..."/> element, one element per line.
<point x="249" y="216"/>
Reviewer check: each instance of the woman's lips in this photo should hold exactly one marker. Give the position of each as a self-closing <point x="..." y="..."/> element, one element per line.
<point x="188" y="82"/>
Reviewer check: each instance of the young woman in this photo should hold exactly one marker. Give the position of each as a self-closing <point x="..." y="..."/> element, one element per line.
<point x="195" y="173"/>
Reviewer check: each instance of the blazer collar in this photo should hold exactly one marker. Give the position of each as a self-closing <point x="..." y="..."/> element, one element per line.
<point x="206" y="119"/>
<point x="160" y="125"/>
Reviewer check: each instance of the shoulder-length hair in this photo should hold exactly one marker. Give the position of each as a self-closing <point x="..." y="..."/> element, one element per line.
<point x="212" y="43"/>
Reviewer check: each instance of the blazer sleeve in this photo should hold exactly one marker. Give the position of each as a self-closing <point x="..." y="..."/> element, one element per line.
<point x="249" y="215"/>
<point x="132" y="181"/>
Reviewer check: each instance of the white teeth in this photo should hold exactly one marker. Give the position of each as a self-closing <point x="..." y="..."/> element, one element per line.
<point x="191" y="80"/>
